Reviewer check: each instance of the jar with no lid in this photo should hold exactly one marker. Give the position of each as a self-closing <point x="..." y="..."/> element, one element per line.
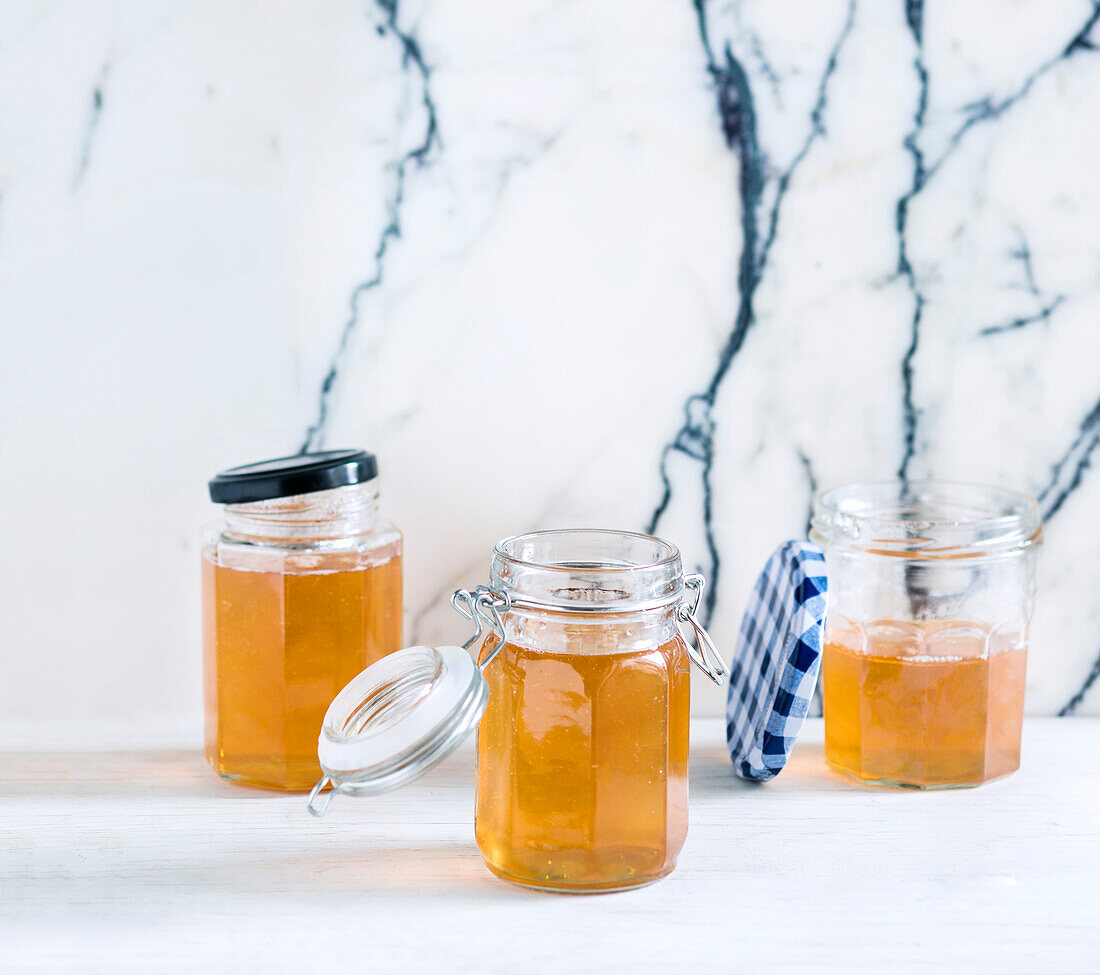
<point x="931" y="589"/>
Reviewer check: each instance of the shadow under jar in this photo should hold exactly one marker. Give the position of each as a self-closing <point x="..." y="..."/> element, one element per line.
<point x="301" y="591"/>
<point x="931" y="590"/>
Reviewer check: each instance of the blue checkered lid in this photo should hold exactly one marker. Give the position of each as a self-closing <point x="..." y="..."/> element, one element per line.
<point x="775" y="668"/>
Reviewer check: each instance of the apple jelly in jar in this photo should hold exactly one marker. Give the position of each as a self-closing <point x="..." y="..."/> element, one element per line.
<point x="931" y="588"/>
<point x="301" y="591"/>
<point x="580" y="694"/>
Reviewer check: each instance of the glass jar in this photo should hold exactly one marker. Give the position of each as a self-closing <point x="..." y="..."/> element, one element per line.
<point x="301" y="591"/>
<point x="584" y="687"/>
<point x="931" y="589"/>
<point x="582" y="753"/>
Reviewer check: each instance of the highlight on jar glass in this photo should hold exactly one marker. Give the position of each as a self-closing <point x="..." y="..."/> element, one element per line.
<point x="301" y="591"/>
<point x="931" y="589"/>
<point x="581" y="698"/>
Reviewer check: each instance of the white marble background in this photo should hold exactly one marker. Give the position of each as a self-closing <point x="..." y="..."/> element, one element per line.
<point x="547" y="259"/>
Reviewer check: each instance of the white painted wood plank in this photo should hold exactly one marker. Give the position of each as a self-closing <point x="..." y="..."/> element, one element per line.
<point x="145" y="862"/>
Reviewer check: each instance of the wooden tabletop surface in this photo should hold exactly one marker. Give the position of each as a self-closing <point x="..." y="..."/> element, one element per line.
<point x="146" y="862"/>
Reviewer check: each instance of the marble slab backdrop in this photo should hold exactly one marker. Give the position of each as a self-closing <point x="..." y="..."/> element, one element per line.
<point x="664" y="265"/>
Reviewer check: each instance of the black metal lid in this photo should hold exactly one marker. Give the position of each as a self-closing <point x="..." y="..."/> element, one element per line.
<point x="286" y="476"/>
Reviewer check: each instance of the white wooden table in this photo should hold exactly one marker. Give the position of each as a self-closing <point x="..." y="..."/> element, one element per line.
<point x="147" y="863"/>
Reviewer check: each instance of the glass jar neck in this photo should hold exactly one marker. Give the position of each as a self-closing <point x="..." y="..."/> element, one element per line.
<point x="550" y="631"/>
<point x="587" y="573"/>
<point x="306" y="518"/>
<point x="926" y="520"/>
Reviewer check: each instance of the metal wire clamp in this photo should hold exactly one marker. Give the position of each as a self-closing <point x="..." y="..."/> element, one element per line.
<point x="706" y="656"/>
<point x="483" y="606"/>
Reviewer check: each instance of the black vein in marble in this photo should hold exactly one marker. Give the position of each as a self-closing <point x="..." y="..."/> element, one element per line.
<point x="1067" y="473"/>
<point x="1023" y="255"/>
<point x="977" y="113"/>
<point x="1065" y="477"/>
<point x="1047" y="306"/>
<point x="463" y="577"/>
<point x="412" y="60"/>
<point x="811" y="484"/>
<point x="816" y="708"/>
<point x="1011" y="325"/>
<point x="1074" y="702"/>
<point x="90" y="128"/>
<point x="764" y="64"/>
<point x="914" y="18"/>
<point x="737" y="115"/>
<point x="989" y="109"/>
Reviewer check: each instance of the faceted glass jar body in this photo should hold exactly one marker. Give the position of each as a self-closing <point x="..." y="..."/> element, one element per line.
<point x="299" y="595"/>
<point x="583" y="749"/>
<point x="931" y="591"/>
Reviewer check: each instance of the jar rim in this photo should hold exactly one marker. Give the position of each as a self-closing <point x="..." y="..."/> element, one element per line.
<point x="926" y="519"/>
<point x="587" y="570"/>
<point x="672" y="553"/>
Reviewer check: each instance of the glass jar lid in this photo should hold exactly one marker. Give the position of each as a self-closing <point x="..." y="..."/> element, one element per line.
<point x="400" y="717"/>
<point x="408" y="711"/>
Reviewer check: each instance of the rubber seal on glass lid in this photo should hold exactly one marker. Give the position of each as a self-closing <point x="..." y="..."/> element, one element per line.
<point x="400" y="717"/>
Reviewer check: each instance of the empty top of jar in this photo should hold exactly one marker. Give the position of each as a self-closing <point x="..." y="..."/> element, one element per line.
<point x="926" y="519"/>
<point x="587" y="571"/>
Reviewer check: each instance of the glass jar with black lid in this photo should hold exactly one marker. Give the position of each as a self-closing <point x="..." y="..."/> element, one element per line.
<point x="301" y="590"/>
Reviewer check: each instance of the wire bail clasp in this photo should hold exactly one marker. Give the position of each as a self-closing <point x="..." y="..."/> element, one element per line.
<point x="320" y="810"/>
<point x="706" y="656"/>
<point x="481" y="607"/>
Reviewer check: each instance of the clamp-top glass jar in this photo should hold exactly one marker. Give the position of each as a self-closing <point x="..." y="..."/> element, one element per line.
<point x="582" y="751"/>
<point x="931" y="589"/>
<point x="301" y="591"/>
